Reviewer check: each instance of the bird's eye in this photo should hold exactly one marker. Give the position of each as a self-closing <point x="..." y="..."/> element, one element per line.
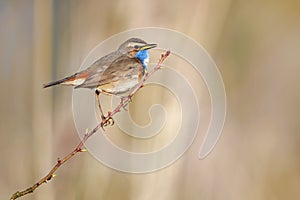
<point x="136" y="46"/>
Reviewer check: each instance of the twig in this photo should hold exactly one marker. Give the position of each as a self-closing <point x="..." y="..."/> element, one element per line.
<point x="88" y="134"/>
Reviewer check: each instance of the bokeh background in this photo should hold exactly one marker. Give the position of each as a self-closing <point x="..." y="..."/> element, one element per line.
<point x="256" y="46"/>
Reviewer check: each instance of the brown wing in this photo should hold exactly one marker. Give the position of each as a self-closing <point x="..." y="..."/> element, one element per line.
<point x="92" y="73"/>
<point x="120" y="69"/>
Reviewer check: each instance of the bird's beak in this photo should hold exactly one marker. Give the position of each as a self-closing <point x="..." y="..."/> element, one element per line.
<point x="148" y="46"/>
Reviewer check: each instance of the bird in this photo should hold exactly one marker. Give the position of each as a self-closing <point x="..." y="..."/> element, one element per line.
<point x="113" y="74"/>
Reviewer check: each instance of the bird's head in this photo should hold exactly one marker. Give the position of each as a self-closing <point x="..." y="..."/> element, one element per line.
<point x="135" y="47"/>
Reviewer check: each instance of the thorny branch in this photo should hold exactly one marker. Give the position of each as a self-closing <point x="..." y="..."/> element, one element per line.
<point x="88" y="134"/>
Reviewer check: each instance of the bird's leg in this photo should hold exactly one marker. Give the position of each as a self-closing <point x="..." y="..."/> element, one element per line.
<point x="124" y="105"/>
<point x="105" y="121"/>
<point x="97" y="93"/>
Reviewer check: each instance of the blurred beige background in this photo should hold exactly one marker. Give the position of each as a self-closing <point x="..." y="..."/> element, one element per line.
<point x="256" y="46"/>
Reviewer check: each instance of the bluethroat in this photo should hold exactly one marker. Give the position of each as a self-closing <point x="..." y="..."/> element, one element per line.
<point x="115" y="73"/>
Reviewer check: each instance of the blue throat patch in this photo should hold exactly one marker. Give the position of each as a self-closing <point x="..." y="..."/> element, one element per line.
<point x="143" y="56"/>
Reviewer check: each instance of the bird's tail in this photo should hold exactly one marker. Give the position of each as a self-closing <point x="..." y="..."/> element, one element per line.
<point x="70" y="80"/>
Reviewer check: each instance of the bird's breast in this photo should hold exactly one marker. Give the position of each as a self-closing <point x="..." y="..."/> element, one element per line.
<point x="120" y="86"/>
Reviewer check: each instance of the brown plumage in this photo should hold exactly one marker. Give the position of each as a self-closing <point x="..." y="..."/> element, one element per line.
<point x="88" y="78"/>
<point x="121" y="75"/>
<point x="113" y="74"/>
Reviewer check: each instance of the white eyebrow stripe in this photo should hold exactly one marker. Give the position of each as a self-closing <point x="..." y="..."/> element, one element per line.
<point x="131" y="44"/>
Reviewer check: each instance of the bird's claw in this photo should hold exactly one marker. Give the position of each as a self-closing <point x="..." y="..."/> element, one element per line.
<point x="124" y="107"/>
<point x="123" y="99"/>
<point x="110" y="121"/>
<point x="107" y="121"/>
<point x="130" y="98"/>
